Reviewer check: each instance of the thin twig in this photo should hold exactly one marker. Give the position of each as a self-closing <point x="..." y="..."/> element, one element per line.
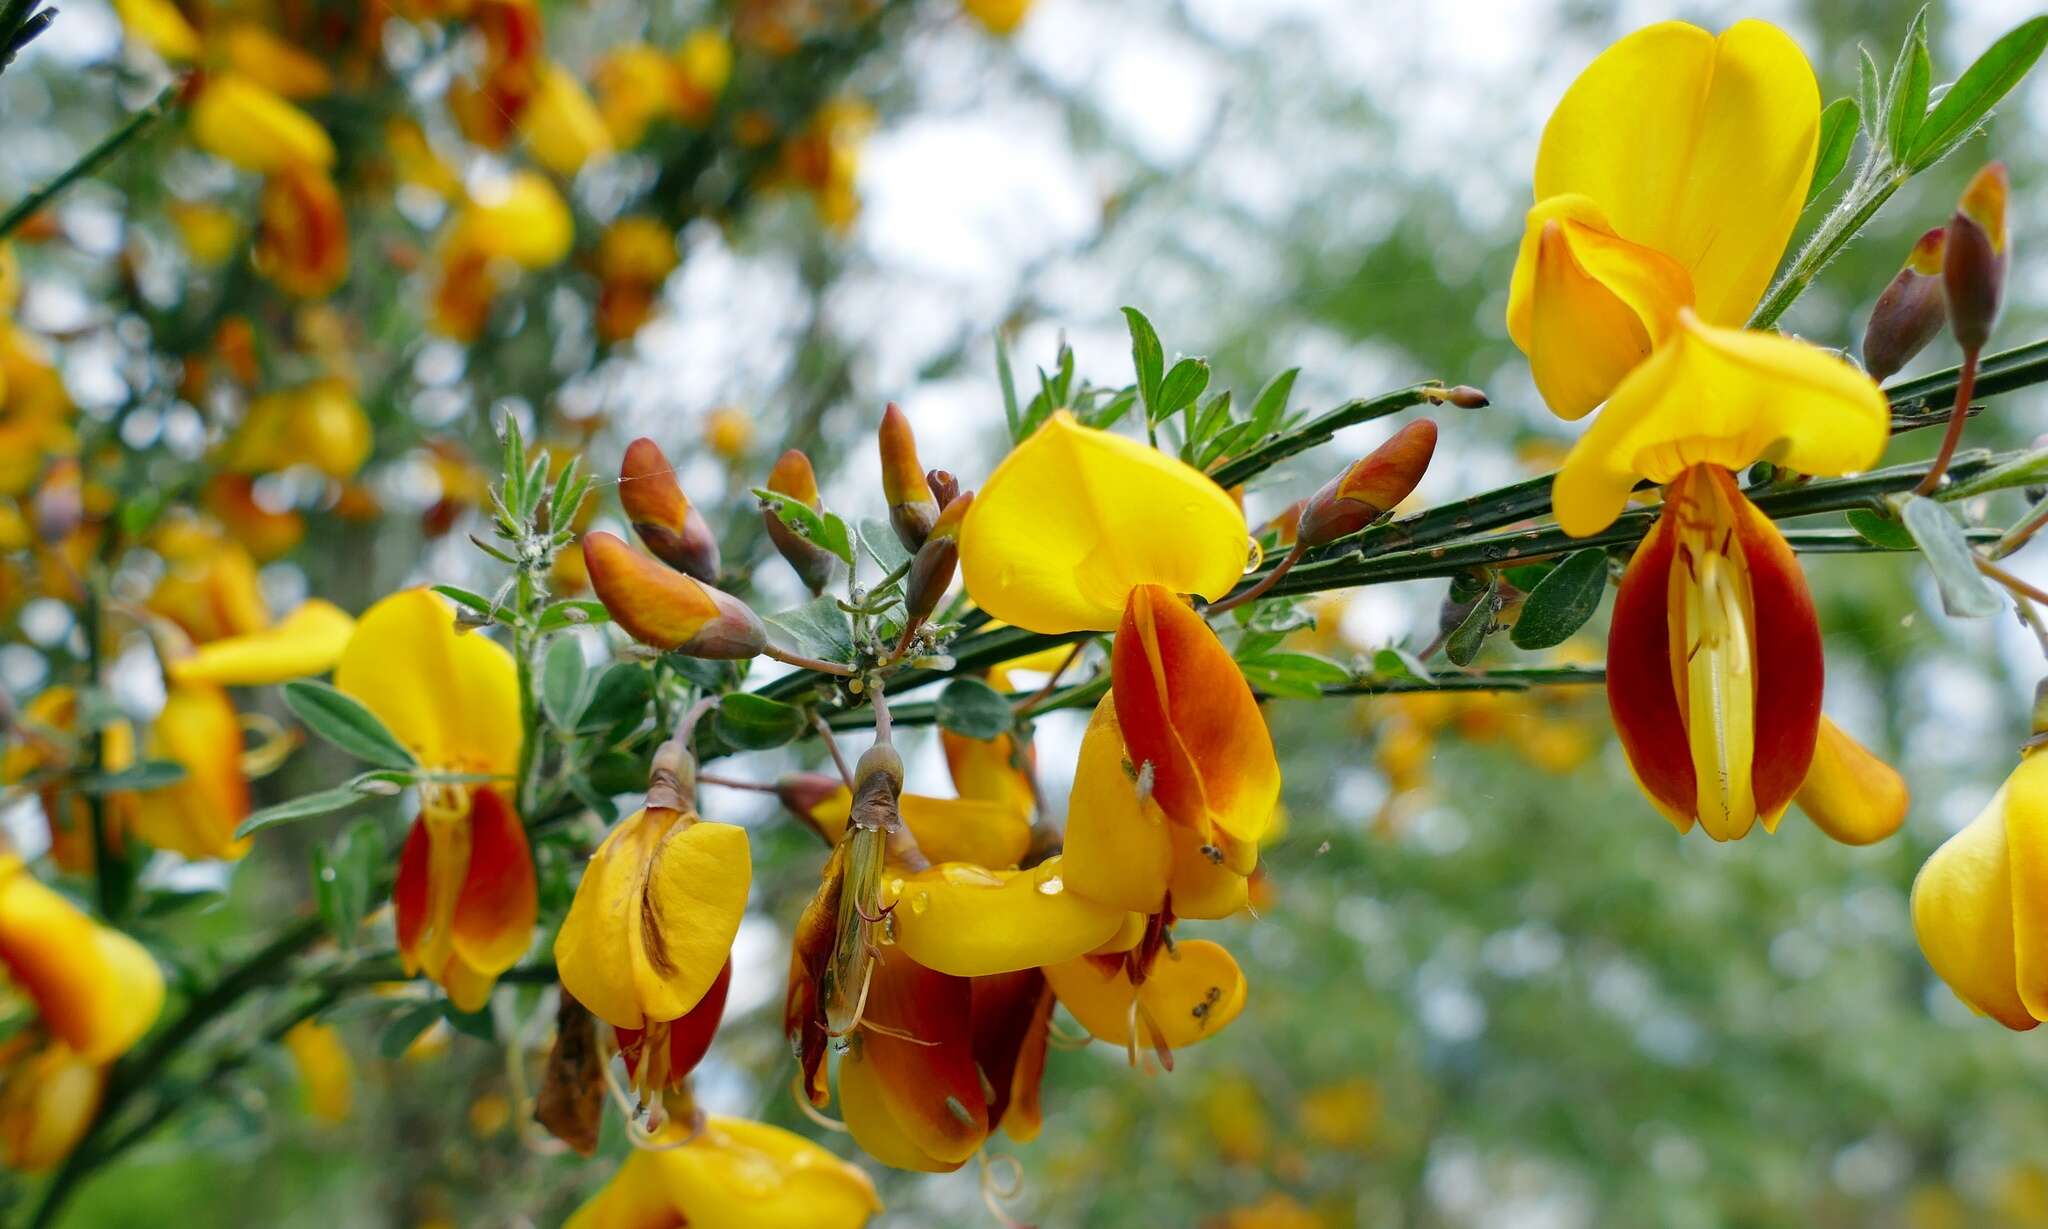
<point x="808" y="663"/>
<point x="758" y="787"/>
<point x="1038" y="697"/>
<point x="1966" y="383"/>
<point x="1257" y="591"/>
<point x="832" y="745"/>
<point x="32" y="204"/>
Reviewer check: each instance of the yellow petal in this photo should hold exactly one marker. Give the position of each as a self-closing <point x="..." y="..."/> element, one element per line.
<point x="1190" y="994"/>
<point x="1697" y="146"/>
<point x="47" y="1099"/>
<point x="749" y="1175"/>
<point x="965" y="920"/>
<point x="452" y="698"/>
<point x="159" y="24"/>
<point x="1726" y="397"/>
<point x="1074" y="519"/>
<point x="306" y="642"/>
<point x="325" y="1071"/>
<point x="1963" y="914"/>
<point x="654" y="917"/>
<point x="977" y="830"/>
<point x="199" y="730"/>
<point x="2026" y="840"/>
<point x="1587" y="305"/>
<point x="1204" y="882"/>
<point x="1850" y="794"/>
<point x="96" y="989"/>
<point x="1118" y="850"/>
<point x="273" y="63"/>
<point x="522" y="219"/>
<point x="562" y="126"/>
<point x="236" y="119"/>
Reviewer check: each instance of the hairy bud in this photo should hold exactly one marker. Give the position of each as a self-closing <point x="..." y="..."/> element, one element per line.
<point x="1976" y="257"/>
<point x="1365" y="492"/>
<point x="913" y="509"/>
<point x="662" y="516"/>
<point x="792" y="476"/>
<point x="667" y="610"/>
<point x="931" y="569"/>
<point x="1909" y="312"/>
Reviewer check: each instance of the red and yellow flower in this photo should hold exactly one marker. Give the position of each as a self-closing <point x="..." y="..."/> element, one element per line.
<point x="729" y="1173"/>
<point x="466" y="899"/>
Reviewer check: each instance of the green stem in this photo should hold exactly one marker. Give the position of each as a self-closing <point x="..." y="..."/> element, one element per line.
<point x="529" y="712"/>
<point x="138" y="123"/>
<point x="1857" y="208"/>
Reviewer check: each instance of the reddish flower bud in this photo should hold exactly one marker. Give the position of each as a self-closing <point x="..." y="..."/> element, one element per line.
<point x="1974" y="263"/>
<point x="944" y="486"/>
<point x="931" y="569"/>
<point x="1362" y="494"/>
<point x="1909" y="312"/>
<point x="1464" y="396"/>
<point x="662" y="515"/>
<point x="912" y="508"/>
<point x="663" y="608"/>
<point x="792" y="476"/>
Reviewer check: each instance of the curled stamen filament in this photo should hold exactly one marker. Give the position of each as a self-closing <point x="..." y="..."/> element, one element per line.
<point x="994" y="1194"/>
<point x="812" y="1112"/>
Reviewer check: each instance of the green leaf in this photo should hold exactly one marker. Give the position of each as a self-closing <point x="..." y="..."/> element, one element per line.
<point x="1837" y="141"/>
<point x="1879" y="529"/>
<point x="822" y="528"/>
<point x="477" y="1024"/>
<point x="1561" y="602"/>
<point x="616" y="772"/>
<point x="473" y="601"/>
<point x="818" y="628"/>
<point x="1149" y="359"/>
<point x="565" y="683"/>
<point x="1271" y="402"/>
<point x="1965" y="594"/>
<point x="322" y="802"/>
<point x="756" y="723"/>
<point x="882" y="544"/>
<point x="1009" y="386"/>
<point x="1398" y="663"/>
<point x="973" y="709"/>
<point x="1180" y="387"/>
<point x="620" y="695"/>
<point x="1906" y="90"/>
<point x="2028" y="469"/>
<point x="406" y="1028"/>
<point x="341" y="720"/>
<point x="136" y="778"/>
<point x="1293" y="675"/>
<point x="573" y="612"/>
<point x="1980" y="88"/>
<point x="1112" y="411"/>
<point x="169" y="903"/>
<point x="1870" y="93"/>
<point x="1465" y="641"/>
<point x="345" y="879"/>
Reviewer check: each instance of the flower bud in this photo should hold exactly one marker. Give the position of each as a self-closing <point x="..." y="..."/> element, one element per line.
<point x="667" y="610"/>
<point x="1464" y="396"/>
<point x="944" y="486"/>
<point x="662" y="516"/>
<point x="1977" y="254"/>
<point x="1909" y="312"/>
<point x="792" y="476"/>
<point x="912" y="508"/>
<point x="1362" y="494"/>
<point x="931" y="569"/>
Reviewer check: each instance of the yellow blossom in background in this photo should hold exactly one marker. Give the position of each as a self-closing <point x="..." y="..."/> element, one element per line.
<point x="823" y="159"/>
<point x="274" y="63"/>
<point x="561" y="126"/>
<point x="998" y="16"/>
<point x="159" y="25"/>
<point x="728" y="433"/>
<point x="256" y="129"/>
<point x="208" y="231"/>
<point x="325" y="1071"/>
<point x="319" y="424"/>
<point x="35" y="412"/>
<point x="704" y="62"/>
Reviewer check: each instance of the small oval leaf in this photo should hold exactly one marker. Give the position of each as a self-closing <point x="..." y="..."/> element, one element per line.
<point x="1561" y="602"/>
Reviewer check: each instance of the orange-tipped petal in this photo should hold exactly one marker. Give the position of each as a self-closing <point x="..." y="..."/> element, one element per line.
<point x="499" y="903"/>
<point x="661" y="607"/>
<point x="96" y="990"/>
<point x="908" y="1087"/>
<point x="1189" y="718"/>
<point x="912" y="509"/>
<point x="662" y="515"/>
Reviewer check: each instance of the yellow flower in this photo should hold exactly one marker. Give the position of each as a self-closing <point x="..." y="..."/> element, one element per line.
<point x="209" y="587"/>
<point x="35" y="412"/>
<point x="705" y="64"/>
<point x="636" y="84"/>
<point x="95" y="992"/>
<point x="320" y="424"/>
<point x="253" y="127"/>
<point x="728" y="431"/>
<point x="733" y="1174"/>
<point x="1188" y="994"/>
<point x="969" y="921"/>
<point x="1980" y="904"/>
<point x="199" y="730"/>
<point x="209" y="231"/>
<point x="562" y="127"/>
<point x="302" y="238"/>
<point x="1670" y="175"/>
<point x="324" y="1069"/>
<point x="273" y="63"/>
<point x="466" y="898"/>
<point x="521" y="219"/>
<point x="998" y="16"/>
<point x="160" y="25"/>
<point x="1075" y="518"/>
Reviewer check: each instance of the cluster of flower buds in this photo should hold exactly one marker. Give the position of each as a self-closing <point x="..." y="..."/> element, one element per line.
<point x="1955" y="275"/>
<point x="668" y="602"/>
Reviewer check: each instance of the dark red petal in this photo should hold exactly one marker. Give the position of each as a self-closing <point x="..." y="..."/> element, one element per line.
<point x="689" y="1038"/>
<point x="1789" y="668"/>
<point x="409" y="892"/>
<point x="1640" y="693"/>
